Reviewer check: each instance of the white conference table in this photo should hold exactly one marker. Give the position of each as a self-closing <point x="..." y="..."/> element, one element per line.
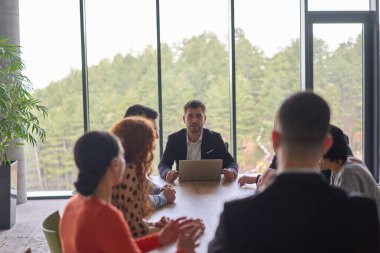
<point x="202" y="200"/>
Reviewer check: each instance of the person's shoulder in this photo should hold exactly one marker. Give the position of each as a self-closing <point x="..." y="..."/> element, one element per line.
<point x="354" y="163"/>
<point x="241" y="205"/>
<point x="109" y="214"/>
<point x="177" y="134"/>
<point x="208" y="133"/>
<point x="77" y="202"/>
<point x="355" y="166"/>
<point x="74" y="203"/>
<point x="351" y="170"/>
<point x="94" y="208"/>
<point x="356" y="170"/>
<point x="107" y="217"/>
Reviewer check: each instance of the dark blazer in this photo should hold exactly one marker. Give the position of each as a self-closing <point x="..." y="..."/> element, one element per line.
<point x="298" y="213"/>
<point x="212" y="147"/>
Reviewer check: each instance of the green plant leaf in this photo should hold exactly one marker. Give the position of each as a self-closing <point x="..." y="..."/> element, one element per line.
<point x="18" y="107"/>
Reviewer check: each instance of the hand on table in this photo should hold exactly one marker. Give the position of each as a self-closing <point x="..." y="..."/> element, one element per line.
<point x="246" y="180"/>
<point x="188" y="240"/>
<point x="265" y="179"/>
<point x="172" y="230"/>
<point x="229" y="175"/>
<point x="169" y="192"/>
<point x="162" y="222"/>
<point x="166" y="186"/>
<point x="171" y="176"/>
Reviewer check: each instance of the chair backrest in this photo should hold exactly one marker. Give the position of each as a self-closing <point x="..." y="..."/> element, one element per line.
<point x="50" y="227"/>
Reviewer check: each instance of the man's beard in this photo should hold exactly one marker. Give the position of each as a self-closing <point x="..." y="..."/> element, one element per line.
<point x="195" y="129"/>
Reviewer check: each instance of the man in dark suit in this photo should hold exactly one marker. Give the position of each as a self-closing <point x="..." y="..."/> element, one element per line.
<point x="195" y="143"/>
<point x="299" y="211"/>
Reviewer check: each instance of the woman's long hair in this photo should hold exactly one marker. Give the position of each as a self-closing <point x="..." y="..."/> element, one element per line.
<point x="93" y="153"/>
<point x="137" y="136"/>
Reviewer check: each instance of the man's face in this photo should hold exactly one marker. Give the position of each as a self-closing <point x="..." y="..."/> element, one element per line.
<point x="194" y="119"/>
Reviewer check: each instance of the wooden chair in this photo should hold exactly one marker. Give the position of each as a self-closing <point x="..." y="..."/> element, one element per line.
<point x="50" y="227"/>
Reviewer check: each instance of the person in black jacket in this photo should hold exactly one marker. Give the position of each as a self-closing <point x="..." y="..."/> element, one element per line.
<point x="195" y="143"/>
<point x="299" y="211"/>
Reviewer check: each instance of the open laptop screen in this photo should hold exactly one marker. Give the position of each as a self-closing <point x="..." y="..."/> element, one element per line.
<point x="200" y="170"/>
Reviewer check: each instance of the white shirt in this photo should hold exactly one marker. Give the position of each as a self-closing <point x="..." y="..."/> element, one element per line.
<point x="194" y="148"/>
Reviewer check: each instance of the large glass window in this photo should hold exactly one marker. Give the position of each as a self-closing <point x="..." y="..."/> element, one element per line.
<point x="338" y="64"/>
<point x="122" y="68"/>
<point x="122" y="59"/>
<point x="194" y="37"/>
<point x="51" y="50"/>
<point x="267" y="70"/>
<point x="122" y="71"/>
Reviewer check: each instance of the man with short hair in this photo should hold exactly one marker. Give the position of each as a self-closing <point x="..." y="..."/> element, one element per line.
<point x="141" y="110"/>
<point x="144" y="111"/>
<point x="195" y="143"/>
<point x="159" y="196"/>
<point x="299" y="211"/>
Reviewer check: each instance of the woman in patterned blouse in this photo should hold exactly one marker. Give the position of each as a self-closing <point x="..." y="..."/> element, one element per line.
<point x="131" y="196"/>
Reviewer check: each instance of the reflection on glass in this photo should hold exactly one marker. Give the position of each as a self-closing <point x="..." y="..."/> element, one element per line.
<point x="338" y="5"/>
<point x="194" y="37"/>
<point x="122" y="59"/>
<point x="338" y="77"/>
<point x="51" y="45"/>
<point x="267" y="71"/>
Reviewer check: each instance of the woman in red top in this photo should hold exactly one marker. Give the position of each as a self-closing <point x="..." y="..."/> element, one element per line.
<point x="91" y="224"/>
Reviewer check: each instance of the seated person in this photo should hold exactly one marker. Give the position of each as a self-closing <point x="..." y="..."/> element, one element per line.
<point x="299" y="211"/>
<point x="348" y="173"/>
<point x="159" y="196"/>
<point x="195" y="143"/>
<point x="91" y="224"/>
<point x="131" y="196"/>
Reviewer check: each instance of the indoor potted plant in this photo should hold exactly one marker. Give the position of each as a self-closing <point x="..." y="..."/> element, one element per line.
<point x="18" y="124"/>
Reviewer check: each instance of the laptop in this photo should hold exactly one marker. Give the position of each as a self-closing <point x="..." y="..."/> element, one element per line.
<point x="200" y="170"/>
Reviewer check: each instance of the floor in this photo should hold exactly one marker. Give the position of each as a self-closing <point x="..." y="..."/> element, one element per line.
<point x="27" y="232"/>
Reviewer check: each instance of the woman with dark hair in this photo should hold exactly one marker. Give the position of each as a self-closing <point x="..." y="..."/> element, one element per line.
<point x="91" y="224"/>
<point x="348" y="172"/>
